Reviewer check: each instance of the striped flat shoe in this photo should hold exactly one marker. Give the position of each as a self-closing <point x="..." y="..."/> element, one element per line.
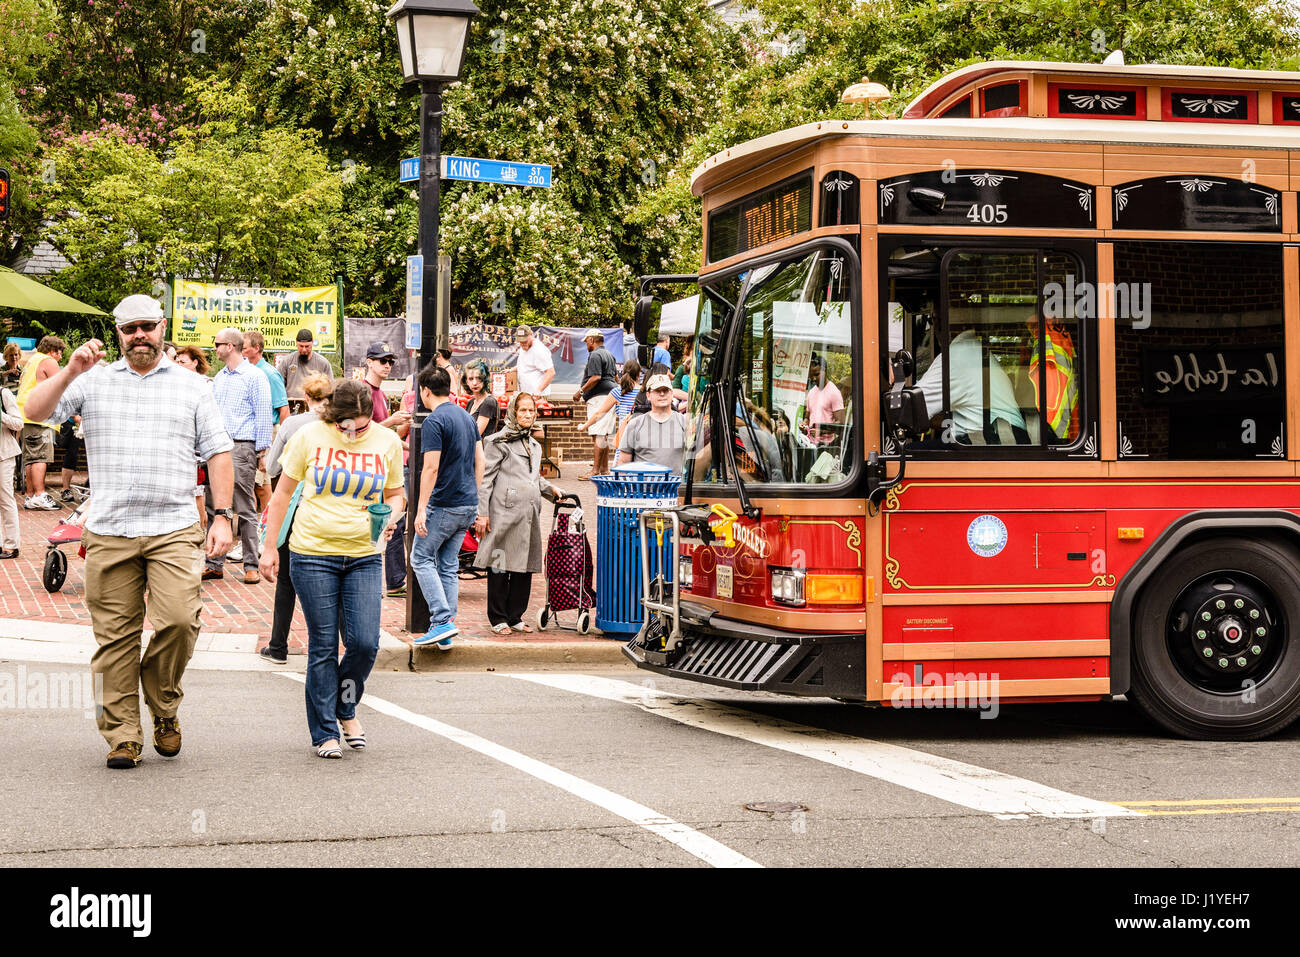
<point x="330" y="749"/>
<point x="356" y="742"/>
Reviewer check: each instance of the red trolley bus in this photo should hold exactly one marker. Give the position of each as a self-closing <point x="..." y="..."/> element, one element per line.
<point x="1002" y="390"/>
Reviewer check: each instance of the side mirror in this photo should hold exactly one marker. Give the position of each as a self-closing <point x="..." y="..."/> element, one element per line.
<point x="644" y="313"/>
<point x="906" y="412"/>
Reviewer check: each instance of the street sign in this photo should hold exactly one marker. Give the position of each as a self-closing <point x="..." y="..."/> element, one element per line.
<point x="482" y="171"/>
<point x="492" y="171"/>
<point x="414" y="300"/>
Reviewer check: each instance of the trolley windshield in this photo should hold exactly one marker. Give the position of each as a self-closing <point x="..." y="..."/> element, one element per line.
<point x="781" y="365"/>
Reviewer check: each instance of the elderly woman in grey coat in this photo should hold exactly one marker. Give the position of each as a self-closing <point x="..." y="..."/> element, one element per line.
<point x="509" y="512"/>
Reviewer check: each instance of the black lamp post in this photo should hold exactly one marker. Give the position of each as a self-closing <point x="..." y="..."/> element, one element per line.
<point x="431" y="40"/>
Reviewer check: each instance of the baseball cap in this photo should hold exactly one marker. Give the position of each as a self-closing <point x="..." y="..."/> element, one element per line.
<point x="595" y="334"/>
<point x="136" y="308"/>
<point x="522" y="332"/>
<point x="304" y="335"/>
<point x="660" y="381"/>
<point x="380" y="350"/>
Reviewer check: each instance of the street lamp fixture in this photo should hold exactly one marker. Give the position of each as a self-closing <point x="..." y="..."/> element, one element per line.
<point x="431" y="37"/>
<point x="431" y="40"/>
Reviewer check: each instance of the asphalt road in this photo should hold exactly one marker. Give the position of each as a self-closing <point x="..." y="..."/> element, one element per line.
<point x="617" y="769"/>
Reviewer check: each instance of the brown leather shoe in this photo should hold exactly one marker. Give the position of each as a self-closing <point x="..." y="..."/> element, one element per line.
<point x="167" y="736"/>
<point x="125" y="755"/>
<point x="210" y="573"/>
<point x="251" y="576"/>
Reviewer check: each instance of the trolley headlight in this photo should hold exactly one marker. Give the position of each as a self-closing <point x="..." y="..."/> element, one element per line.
<point x="685" y="575"/>
<point x="787" y="585"/>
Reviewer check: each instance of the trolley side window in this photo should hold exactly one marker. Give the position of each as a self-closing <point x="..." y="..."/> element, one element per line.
<point x="1199" y="351"/>
<point x="997" y="340"/>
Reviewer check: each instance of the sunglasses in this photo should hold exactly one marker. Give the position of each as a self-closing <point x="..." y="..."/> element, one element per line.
<point x="135" y="327"/>
<point x="385" y="362"/>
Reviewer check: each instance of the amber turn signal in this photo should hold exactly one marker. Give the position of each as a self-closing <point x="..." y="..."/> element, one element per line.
<point x="1131" y="534"/>
<point x="834" y="589"/>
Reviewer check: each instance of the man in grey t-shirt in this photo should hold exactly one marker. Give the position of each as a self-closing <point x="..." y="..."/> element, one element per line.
<point x="657" y="436"/>
<point x="294" y="368"/>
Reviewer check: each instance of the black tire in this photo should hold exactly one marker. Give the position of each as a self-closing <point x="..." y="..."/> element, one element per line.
<point x="1210" y="593"/>
<point x="543" y="618"/>
<point x="584" y="623"/>
<point x="55" y="571"/>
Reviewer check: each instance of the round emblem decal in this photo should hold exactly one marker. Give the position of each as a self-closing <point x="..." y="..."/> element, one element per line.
<point x="986" y="536"/>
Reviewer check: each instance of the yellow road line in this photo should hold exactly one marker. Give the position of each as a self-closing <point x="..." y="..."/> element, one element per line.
<point x="1293" y="808"/>
<point x="1195" y="803"/>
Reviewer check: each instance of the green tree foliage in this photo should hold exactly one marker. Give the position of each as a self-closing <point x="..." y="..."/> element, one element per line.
<point x="507" y="260"/>
<point x="25" y="44"/>
<point x="232" y="203"/>
<point x="603" y="90"/>
<point x="121" y="59"/>
<point x="908" y="44"/>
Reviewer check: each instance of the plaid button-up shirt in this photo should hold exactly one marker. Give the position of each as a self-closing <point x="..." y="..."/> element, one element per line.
<point x="143" y="433"/>
<point x="244" y="397"/>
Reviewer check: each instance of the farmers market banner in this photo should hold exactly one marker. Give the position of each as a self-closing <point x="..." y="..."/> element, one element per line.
<point x="200" y="310"/>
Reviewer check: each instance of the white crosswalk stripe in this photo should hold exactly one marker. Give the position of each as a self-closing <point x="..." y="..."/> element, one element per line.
<point x="693" y="842"/>
<point x="959" y="783"/>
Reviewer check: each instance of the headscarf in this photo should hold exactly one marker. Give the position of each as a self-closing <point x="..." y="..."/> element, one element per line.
<point x="512" y="430"/>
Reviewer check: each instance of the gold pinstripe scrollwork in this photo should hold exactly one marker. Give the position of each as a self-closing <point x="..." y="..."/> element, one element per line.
<point x="891" y="574"/>
<point x="891" y="501"/>
<point x="854" y="532"/>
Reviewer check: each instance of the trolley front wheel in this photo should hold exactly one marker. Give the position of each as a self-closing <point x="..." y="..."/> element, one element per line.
<point x="584" y="622"/>
<point x="543" y="618"/>
<point x="55" y="571"/>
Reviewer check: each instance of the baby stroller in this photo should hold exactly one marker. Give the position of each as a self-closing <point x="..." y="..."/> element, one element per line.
<point x="568" y="569"/>
<point x="67" y="532"/>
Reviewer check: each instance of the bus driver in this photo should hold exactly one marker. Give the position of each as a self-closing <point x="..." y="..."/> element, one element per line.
<point x="966" y="385"/>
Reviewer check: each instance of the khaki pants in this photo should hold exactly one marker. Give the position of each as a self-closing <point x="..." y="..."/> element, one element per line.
<point x="118" y="570"/>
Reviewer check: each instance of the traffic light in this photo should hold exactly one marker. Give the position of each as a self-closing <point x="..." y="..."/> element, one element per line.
<point x="4" y="194"/>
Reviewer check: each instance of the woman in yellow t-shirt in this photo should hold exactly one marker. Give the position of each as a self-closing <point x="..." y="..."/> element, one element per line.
<point x="344" y="464"/>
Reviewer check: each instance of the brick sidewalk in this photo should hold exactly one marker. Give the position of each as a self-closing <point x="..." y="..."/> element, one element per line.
<point x="230" y="606"/>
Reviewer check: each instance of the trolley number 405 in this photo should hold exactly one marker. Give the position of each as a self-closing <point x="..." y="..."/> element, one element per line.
<point x="987" y="213"/>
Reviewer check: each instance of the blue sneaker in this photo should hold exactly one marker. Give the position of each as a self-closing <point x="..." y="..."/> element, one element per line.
<point x="439" y="635"/>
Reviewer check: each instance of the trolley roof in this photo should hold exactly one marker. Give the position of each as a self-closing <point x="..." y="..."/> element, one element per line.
<point x="1037" y="128"/>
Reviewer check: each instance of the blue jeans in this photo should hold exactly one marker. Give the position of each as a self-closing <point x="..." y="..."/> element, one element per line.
<point x="434" y="559"/>
<point x="337" y="593"/>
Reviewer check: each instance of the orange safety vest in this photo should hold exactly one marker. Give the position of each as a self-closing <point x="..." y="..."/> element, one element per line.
<point x="1062" y="407"/>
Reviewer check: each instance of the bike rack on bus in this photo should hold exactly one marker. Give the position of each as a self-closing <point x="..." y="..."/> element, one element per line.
<point x="689" y="525"/>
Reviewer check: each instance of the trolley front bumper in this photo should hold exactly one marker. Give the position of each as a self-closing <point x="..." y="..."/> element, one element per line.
<point x="684" y="639"/>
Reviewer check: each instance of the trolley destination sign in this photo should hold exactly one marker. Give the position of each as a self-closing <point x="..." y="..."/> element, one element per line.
<point x="475" y="170"/>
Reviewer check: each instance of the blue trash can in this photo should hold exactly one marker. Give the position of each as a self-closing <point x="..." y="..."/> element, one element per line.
<point x="620" y="498"/>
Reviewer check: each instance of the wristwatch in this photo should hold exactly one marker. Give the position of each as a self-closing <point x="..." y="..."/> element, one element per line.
<point x="228" y="513"/>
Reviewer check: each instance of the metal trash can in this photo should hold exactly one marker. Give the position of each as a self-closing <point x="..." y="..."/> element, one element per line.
<point x="620" y="498"/>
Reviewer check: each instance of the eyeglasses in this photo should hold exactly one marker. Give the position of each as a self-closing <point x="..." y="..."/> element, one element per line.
<point x="386" y="362"/>
<point x="135" y="327"/>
